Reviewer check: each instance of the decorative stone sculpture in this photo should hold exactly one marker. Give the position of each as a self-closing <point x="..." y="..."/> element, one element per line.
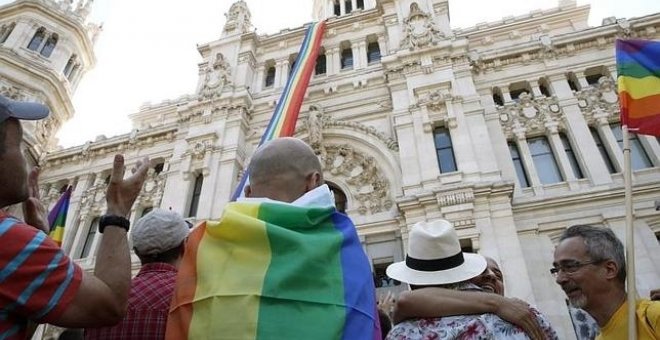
<point x="216" y="76"/>
<point x="419" y="29"/>
<point x="315" y="127"/>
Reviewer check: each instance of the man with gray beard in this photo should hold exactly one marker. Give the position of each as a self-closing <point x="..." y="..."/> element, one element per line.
<point x="590" y="266"/>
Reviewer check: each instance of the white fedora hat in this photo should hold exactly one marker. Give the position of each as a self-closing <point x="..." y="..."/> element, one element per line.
<point x="435" y="257"/>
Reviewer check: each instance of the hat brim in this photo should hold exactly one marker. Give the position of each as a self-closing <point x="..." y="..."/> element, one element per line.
<point x="473" y="265"/>
<point x="24" y="110"/>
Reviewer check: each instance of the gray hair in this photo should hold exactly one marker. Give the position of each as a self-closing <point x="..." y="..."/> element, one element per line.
<point x="601" y="244"/>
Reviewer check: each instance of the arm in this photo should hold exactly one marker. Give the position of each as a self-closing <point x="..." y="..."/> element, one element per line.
<point x="102" y="297"/>
<point x="439" y="302"/>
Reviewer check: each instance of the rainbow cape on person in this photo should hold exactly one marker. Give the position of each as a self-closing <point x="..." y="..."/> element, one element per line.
<point x="274" y="270"/>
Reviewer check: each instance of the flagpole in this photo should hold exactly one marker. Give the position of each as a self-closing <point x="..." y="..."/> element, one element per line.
<point x="630" y="243"/>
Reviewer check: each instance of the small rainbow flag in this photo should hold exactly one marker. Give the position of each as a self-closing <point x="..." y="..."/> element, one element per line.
<point x="283" y="122"/>
<point x="273" y="270"/>
<point x="638" y="68"/>
<point x="57" y="217"/>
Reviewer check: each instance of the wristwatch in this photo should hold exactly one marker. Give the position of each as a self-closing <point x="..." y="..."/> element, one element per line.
<point x="113" y="220"/>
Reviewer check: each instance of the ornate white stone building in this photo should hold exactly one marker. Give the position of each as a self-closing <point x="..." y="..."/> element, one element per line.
<point x="509" y="129"/>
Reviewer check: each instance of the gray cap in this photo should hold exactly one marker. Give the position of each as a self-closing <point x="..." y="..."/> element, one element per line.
<point x="158" y="231"/>
<point x="21" y="110"/>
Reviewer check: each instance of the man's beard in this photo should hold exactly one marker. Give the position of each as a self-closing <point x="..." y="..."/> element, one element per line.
<point x="578" y="302"/>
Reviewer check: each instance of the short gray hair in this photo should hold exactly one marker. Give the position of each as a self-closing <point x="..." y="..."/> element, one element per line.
<point x="601" y="244"/>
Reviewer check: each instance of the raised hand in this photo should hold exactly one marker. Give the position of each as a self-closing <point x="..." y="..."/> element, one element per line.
<point x="519" y="313"/>
<point x="34" y="212"/>
<point x="121" y="193"/>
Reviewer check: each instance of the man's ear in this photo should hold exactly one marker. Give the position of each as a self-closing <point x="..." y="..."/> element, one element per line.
<point x="314" y="180"/>
<point x="612" y="270"/>
<point x="247" y="192"/>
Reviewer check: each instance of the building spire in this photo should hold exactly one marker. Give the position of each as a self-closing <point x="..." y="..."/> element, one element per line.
<point x="238" y="19"/>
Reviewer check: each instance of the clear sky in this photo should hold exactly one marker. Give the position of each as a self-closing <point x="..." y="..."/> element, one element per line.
<point x="147" y="50"/>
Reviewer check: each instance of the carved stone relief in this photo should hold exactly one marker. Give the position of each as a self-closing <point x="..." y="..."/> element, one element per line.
<point x="368" y="185"/>
<point x="238" y="18"/>
<point x="599" y="101"/>
<point x="419" y="29"/>
<point x="152" y="190"/>
<point x="529" y="115"/>
<point x="216" y="76"/>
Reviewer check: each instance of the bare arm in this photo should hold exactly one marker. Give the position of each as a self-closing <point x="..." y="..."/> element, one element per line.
<point x="439" y="302"/>
<point x="102" y="297"/>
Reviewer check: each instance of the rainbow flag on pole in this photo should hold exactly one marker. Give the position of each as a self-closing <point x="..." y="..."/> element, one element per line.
<point x="283" y="121"/>
<point x="273" y="270"/>
<point x="638" y="68"/>
<point x="57" y="217"/>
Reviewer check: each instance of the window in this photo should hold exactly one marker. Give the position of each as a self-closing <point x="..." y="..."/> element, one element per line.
<point x="336" y="8"/>
<point x="516" y="89"/>
<point x="197" y="192"/>
<point x="594" y="74"/>
<point x="320" y="67"/>
<point x="518" y="165"/>
<point x="373" y="52"/>
<point x="270" y="76"/>
<point x="602" y="150"/>
<point x="638" y="157"/>
<point x="466" y="245"/>
<point x="292" y="63"/>
<point x="346" y="58"/>
<point x="48" y="48"/>
<point x="89" y="239"/>
<point x="348" y="6"/>
<point x="444" y="150"/>
<point x="74" y="72"/>
<point x="5" y="31"/>
<point x="37" y="39"/>
<point x="544" y="160"/>
<point x="340" y="197"/>
<point x="544" y="88"/>
<point x="572" y="82"/>
<point x="360" y="4"/>
<point x="497" y="96"/>
<point x="158" y="168"/>
<point x="571" y="156"/>
<point x="69" y="65"/>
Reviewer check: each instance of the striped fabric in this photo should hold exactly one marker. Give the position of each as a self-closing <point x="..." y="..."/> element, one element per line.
<point x="38" y="280"/>
<point x="272" y="270"/>
<point x="283" y="121"/>
<point x="57" y="217"/>
<point x="638" y="67"/>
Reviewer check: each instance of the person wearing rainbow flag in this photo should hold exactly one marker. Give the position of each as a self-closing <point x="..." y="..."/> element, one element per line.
<point x="281" y="263"/>
<point x="39" y="282"/>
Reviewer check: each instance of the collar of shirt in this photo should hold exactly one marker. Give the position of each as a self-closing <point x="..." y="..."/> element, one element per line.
<point x="157" y="267"/>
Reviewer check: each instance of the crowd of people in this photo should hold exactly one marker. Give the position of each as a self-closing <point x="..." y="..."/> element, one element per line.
<point x="453" y="294"/>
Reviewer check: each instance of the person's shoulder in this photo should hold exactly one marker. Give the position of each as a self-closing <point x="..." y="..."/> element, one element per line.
<point x="14" y="228"/>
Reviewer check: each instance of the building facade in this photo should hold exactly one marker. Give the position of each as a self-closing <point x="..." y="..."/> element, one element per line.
<point x="508" y="129"/>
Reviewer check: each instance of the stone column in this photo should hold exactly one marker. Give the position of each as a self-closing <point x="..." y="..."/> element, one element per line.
<point x="528" y="163"/>
<point x="581" y="79"/>
<point x="363" y="54"/>
<point x="536" y="90"/>
<point x="610" y="143"/>
<point x="559" y="152"/>
<point x="506" y="95"/>
<point x="336" y="60"/>
<point x="342" y="7"/>
<point x="382" y="44"/>
<point x="355" y="49"/>
<point x="259" y="83"/>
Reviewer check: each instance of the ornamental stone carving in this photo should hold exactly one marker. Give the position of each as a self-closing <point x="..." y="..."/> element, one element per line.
<point x="238" y="19"/>
<point x="216" y="76"/>
<point x="419" y="29"/>
<point x="315" y="125"/>
<point x="529" y="114"/>
<point x="152" y="190"/>
<point x="599" y="101"/>
<point x="367" y="184"/>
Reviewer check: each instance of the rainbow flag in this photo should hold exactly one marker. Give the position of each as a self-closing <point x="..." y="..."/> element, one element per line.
<point x="283" y="121"/>
<point x="57" y="217"/>
<point x="638" y="67"/>
<point x="272" y="270"/>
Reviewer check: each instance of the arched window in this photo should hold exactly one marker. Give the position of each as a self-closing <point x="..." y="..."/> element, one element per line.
<point x="360" y="4"/>
<point x="6" y="31"/>
<point x="89" y="238"/>
<point x="340" y="197"/>
<point x="346" y="58"/>
<point x="373" y="52"/>
<point x="497" y="96"/>
<point x="69" y="65"/>
<point x="48" y="48"/>
<point x="518" y="165"/>
<point x="544" y="160"/>
<point x="74" y="72"/>
<point x="37" y="39"/>
<point x="544" y="87"/>
<point x="270" y="77"/>
<point x="571" y="156"/>
<point x="602" y="150"/>
<point x="444" y="150"/>
<point x="320" y="67"/>
<point x="572" y="82"/>
<point x="197" y="192"/>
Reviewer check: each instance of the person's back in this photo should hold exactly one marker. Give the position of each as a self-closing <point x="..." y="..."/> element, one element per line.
<point x="158" y="240"/>
<point x="280" y="264"/>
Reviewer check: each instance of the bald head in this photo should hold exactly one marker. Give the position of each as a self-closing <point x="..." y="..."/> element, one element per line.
<point x="283" y="169"/>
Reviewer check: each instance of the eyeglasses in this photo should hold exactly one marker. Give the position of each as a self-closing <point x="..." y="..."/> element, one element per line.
<point x="570" y="267"/>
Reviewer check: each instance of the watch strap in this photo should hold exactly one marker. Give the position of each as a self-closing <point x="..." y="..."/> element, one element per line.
<point x="113" y="220"/>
